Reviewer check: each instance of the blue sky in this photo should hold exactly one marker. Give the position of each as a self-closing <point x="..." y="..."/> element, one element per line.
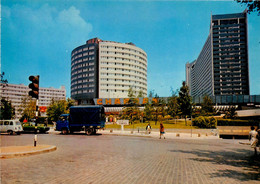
<point x="37" y="37"/>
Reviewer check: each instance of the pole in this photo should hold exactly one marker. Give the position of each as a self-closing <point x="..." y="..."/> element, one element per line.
<point x="36" y="112"/>
<point x="191" y="124"/>
<point x="35" y="140"/>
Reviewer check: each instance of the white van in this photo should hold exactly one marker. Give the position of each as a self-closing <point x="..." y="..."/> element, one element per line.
<point x="10" y="126"/>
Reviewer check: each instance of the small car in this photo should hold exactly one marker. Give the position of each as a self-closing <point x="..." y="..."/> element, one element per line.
<point x="11" y="127"/>
<point x="36" y="128"/>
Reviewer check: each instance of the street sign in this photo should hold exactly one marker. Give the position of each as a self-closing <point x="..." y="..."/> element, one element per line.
<point x="122" y="122"/>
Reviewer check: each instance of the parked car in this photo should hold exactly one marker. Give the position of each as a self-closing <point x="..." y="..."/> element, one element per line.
<point x="36" y="128"/>
<point x="10" y="127"/>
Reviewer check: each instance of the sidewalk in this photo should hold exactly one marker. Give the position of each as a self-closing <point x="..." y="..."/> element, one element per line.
<point x="16" y="151"/>
<point x="156" y="134"/>
<point x="171" y="134"/>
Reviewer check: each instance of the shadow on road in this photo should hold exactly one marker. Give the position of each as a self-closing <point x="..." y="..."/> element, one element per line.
<point x="240" y="158"/>
<point x="79" y="133"/>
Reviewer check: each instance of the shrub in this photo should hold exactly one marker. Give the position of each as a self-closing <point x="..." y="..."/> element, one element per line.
<point x="205" y="122"/>
<point x="230" y="122"/>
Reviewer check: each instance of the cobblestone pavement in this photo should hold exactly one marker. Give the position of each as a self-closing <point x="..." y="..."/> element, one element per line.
<point x="123" y="159"/>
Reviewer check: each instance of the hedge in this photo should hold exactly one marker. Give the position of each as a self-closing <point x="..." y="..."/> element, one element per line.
<point x="231" y="122"/>
<point x="205" y="122"/>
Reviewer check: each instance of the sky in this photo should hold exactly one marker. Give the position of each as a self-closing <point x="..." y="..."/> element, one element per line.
<point x="37" y="37"/>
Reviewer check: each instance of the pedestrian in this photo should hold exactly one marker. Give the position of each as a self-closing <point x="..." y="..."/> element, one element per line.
<point x="162" y="131"/>
<point x="253" y="138"/>
<point x="148" y="128"/>
<point x="258" y="137"/>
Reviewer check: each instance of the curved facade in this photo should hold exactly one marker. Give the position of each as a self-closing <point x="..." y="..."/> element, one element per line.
<point x="121" y="66"/>
<point x="105" y="69"/>
<point x="84" y="72"/>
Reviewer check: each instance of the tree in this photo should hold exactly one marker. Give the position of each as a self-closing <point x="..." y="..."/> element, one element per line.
<point x="160" y="109"/>
<point x="252" y="5"/>
<point x="231" y="113"/>
<point x="140" y="94"/>
<point x="27" y="108"/>
<point x="207" y="106"/>
<point x="151" y="94"/>
<point x="131" y="112"/>
<point x="185" y="101"/>
<point x="57" y="108"/>
<point x="3" y="81"/>
<point x="7" y="110"/>
<point x="148" y="109"/>
<point x="173" y="106"/>
<point x="70" y="102"/>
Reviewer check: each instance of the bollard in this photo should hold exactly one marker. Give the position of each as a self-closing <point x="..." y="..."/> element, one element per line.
<point x="206" y="134"/>
<point x="198" y="135"/>
<point x="35" y="140"/>
<point x="177" y="135"/>
<point x="111" y="131"/>
<point x="132" y="132"/>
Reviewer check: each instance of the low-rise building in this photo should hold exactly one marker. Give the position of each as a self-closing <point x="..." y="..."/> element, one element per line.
<point x="16" y="93"/>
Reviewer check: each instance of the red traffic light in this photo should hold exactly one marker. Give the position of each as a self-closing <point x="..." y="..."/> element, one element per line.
<point x="34" y="79"/>
<point x="34" y="86"/>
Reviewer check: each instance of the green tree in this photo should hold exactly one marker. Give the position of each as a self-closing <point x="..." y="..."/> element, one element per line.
<point x="231" y="113"/>
<point x="57" y="108"/>
<point x="207" y="107"/>
<point x="3" y="81"/>
<point x="7" y="110"/>
<point x="131" y="112"/>
<point x="151" y="94"/>
<point x="252" y="5"/>
<point x="27" y="108"/>
<point x="140" y="94"/>
<point x="148" y="110"/>
<point x="173" y="106"/>
<point x="185" y="101"/>
<point x="70" y="102"/>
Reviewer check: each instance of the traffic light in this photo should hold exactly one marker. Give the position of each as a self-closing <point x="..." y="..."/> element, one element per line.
<point x="34" y="86"/>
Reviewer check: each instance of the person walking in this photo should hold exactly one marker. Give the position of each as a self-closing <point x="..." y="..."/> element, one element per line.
<point x="258" y="137"/>
<point x="162" y="131"/>
<point x="149" y="128"/>
<point x="253" y="138"/>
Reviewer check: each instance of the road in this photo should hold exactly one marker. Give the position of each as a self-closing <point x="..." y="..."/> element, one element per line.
<point x="124" y="159"/>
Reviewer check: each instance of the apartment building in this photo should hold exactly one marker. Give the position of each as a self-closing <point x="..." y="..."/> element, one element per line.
<point x="107" y="69"/>
<point x="16" y="93"/>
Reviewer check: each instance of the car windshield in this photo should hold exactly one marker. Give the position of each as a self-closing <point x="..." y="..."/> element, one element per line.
<point x="63" y="118"/>
<point x="17" y="123"/>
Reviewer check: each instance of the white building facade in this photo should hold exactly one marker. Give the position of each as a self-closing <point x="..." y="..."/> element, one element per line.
<point x="121" y="67"/>
<point x="107" y="69"/>
<point x="16" y="93"/>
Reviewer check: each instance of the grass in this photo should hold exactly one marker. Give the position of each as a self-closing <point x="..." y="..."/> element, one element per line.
<point x="169" y="124"/>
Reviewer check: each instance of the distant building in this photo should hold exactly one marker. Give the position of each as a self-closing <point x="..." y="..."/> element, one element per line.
<point x="222" y="65"/>
<point x="107" y="69"/>
<point x="17" y="92"/>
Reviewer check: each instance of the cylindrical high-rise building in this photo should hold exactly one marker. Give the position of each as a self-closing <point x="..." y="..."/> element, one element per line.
<point x="106" y="69"/>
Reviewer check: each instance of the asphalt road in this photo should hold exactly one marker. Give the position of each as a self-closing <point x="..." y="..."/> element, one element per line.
<point x="124" y="159"/>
